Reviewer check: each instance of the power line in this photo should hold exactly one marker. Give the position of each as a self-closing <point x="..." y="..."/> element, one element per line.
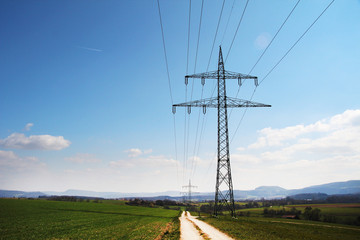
<point x="272" y="69"/>
<point x="237" y="93"/>
<point x="198" y="39"/>
<point x="186" y="135"/>
<point x="164" y="47"/>
<point x="207" y="68"/>
<point x="217" y="28"/>
<point x="227" y="23"/>
<point x="274" y="37"/>
<point x="204" y="117"/>
<point x="193" y="165"/>
<point x="297" y="41"/>
<point x="188" y="41"/>
<point x="176" y="153"/>
<point x="169" y="84"/>
<point x="202" y="91"/>
<point x="242" y="15"/>
<point x="259" y="57"/>
<point x="185" y="153"/>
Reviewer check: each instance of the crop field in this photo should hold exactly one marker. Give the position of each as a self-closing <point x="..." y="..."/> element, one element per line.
<point x="252" y="228"/>
<point x="43" y="219"/>
<point x="339" y="212"/>
<point x="253" y="225"/>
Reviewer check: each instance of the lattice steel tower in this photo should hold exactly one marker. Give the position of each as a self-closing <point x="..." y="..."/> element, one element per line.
<point x="189" y="192"/>
<point x="224" y="196"/>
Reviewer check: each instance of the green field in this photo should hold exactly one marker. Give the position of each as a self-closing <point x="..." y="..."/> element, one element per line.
<point x="258" y="228"/>
<point x="337" y="213"/>
<point x="253" y="225"/>
<point x="43" y="219"/>
<point x="112" y="219"/>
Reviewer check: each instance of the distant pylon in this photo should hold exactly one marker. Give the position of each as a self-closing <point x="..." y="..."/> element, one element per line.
<point x="224" y="195"/>
<point x="189" y="192"/>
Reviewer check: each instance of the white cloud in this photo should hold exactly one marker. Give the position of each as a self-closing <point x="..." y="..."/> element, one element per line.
<point x="245" y="158"/>
<point x="122" y="164"/>
<point x="270" y="137"/>
<point x="158" y="160"/>
<point x="83" y="158"/>
<point x="303" y="155"/>
<point x="34" y="142"/>
<point x="148" y="151"/>
<point x="133" y="152"/>
<point x="28" y="126"/>
<point x="9" y="159"/>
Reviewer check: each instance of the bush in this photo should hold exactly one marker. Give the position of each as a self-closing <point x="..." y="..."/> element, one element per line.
<point x="312" y="214"/>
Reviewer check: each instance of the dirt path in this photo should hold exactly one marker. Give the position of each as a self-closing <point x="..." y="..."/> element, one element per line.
<point x="197" y="229"/>
<point x="187" y="229"/>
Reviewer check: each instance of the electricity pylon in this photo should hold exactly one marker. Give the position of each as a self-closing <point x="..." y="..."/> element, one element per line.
<point x="189" y="192"/>
<point x="224" y="196"/>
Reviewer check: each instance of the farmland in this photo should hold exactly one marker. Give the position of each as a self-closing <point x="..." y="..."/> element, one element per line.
<point x="275" y="229"/>
<point x="113" y="219"/>
<point x="43" y="219"/>
<point x="335" y="213"/>
<point x="251" y="223"/>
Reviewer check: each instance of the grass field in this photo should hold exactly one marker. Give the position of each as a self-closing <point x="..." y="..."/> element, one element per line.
<point x="252" y="228"/>
<point x="259" y="227"/>
<point x="340" y="212"/>
<point x="43" y="219"/>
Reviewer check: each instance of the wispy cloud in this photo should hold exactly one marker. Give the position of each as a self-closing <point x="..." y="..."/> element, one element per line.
<point x="146" y="161"/>
<point x="91" y="49"/>
<point x="28" y="126"/>
<point x="9" y="159"/>
<point x="34" y="142"/>
<point x="135" y="152"/>
<point x="83" y="158"/>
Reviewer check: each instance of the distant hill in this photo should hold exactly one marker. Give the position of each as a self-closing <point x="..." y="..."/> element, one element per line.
<point x="310" y="196"/>
<point x="267" y="192"/>
<point x="73" y="192"/>
<point x="348" y="187"/>
<point x="19" y="194"/>
<point x="274" y="192"/>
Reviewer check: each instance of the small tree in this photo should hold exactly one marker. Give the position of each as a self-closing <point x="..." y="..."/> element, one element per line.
<point x="312" y="214"/>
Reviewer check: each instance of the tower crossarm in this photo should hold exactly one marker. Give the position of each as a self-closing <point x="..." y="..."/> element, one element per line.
<point x="214" y="75"/>
<point x="226" y="74"/>
<point x="237" y="103"/>
<point x="213" y="103"/>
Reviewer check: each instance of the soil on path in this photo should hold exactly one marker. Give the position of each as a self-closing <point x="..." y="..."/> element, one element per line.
<point x="192" y="228"/>
<point x="187" y="229"/>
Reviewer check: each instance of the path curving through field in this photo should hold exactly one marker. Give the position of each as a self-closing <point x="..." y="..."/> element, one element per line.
<point x="192" y="228"/>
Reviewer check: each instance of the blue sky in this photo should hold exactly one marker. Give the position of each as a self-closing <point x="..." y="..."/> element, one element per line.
<point x="85" y="103"/>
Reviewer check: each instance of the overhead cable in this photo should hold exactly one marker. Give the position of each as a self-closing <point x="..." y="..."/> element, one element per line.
<point x="169" y="84"/>
<point x="237" y="28"/>
<point x="227" y="22"/>
<point x="237" y="93"/>
<point x="274" y="37"/>
<point x="217" y="28"/>
<point x="282" y="58"/>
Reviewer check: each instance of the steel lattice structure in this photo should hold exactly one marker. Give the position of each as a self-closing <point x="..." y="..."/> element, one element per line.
<point x="189" y="192"/>
<point x="224" y="196"/>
